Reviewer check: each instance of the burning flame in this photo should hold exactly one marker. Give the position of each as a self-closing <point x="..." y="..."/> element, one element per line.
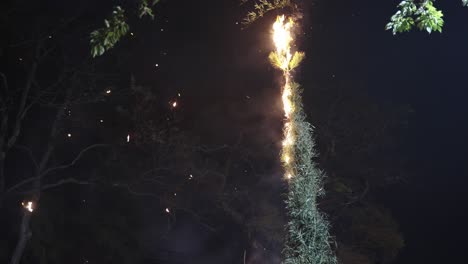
<point x="282" y="38"/>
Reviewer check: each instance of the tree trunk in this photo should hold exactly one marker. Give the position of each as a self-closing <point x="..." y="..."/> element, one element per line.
<point x="25" y="232"/>
<point x="24" y="235"/>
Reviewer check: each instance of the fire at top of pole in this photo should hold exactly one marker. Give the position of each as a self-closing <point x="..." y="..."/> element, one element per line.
<point x="283" y="59"/>
<point x="282" y="38"/>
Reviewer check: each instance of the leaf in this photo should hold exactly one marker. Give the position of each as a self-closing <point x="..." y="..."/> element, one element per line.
<point x="106" y="37"/>
<point x="296" y="60"/>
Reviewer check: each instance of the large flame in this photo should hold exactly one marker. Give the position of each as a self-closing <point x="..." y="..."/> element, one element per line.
<point x="282" y="38"/>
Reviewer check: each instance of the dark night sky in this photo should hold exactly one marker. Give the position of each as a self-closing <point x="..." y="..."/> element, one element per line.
<point x="427" y="72"/>
<point x="203" y="53"/>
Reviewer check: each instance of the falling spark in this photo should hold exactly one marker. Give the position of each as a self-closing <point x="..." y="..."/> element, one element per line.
<point x="28" y="206"/>
<point x="69" y="135"/>
<point x="190" y="177"/>
<point x="174" y="104"/>
<point x="108" y="91"/>
<point x="101" y="121"/>
<point x="168" y="211"/>
<point x="156" y="65"/>
<point x="282" y="38"/>
<point x="178" y="94"/>
<point x="128" y="138"/>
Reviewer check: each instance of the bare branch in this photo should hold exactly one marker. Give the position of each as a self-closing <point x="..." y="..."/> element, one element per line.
<point x="43" y="91"/>
<point x="59" y="183"/>
<point x="131" y="191"/>
<point x="78" y="157"/>
<point x="41" y="175"/>
<point x="30" y="154"/>
<point x="24" y="96"/>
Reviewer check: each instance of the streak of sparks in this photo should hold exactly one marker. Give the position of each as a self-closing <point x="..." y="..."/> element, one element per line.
<point x="282" y="38"/>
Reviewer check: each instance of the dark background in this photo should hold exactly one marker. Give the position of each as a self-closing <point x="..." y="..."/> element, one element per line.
<point x="221" y="69"/>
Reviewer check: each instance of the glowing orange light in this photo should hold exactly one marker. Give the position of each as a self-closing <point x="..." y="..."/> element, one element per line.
<point x="282" y="38"/>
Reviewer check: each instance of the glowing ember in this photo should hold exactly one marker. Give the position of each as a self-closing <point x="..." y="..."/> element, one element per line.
<point x="28" y="206"/>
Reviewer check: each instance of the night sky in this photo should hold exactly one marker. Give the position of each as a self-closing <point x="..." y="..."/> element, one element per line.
<point x="200" y="50"/>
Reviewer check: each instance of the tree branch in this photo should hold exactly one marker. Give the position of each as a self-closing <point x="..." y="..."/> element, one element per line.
<point x="41" y="175"/>
<point x="78" y="157"/>
<point x="59" y="183"/>
<point x="30" y="154"/>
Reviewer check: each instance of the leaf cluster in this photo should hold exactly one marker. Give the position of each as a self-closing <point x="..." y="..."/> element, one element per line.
<point x="308" y="239"/>
<point x="422" y="14"/>
<point x="262" y="7"/>
<point x="145" y="8"/>
<point x="116" y="27"/>
<point x="276" y="61"/>
<point x="106" y="37"/>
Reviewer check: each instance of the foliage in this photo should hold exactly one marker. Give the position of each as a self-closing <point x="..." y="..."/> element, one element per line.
<point x="308" y="238"/>
<point x="116" y="27"/>
<point x="402" y="20"/>
<point x="429" y="18"/>
<point x="105" y="38"/>
<point x="145" y="8"/>
<point x="423" y="14"/>
<point x="262" y="7"/>
<point x="295" y="60"/>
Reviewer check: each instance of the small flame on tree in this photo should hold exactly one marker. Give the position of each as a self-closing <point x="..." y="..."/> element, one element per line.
<point x="28" y="206"/>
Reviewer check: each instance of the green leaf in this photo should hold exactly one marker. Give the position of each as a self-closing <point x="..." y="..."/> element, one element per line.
<point x="106" y="37"/>
<point x="424" y="15"/>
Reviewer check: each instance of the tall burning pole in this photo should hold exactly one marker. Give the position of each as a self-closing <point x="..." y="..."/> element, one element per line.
<point x="308" y="240"/>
